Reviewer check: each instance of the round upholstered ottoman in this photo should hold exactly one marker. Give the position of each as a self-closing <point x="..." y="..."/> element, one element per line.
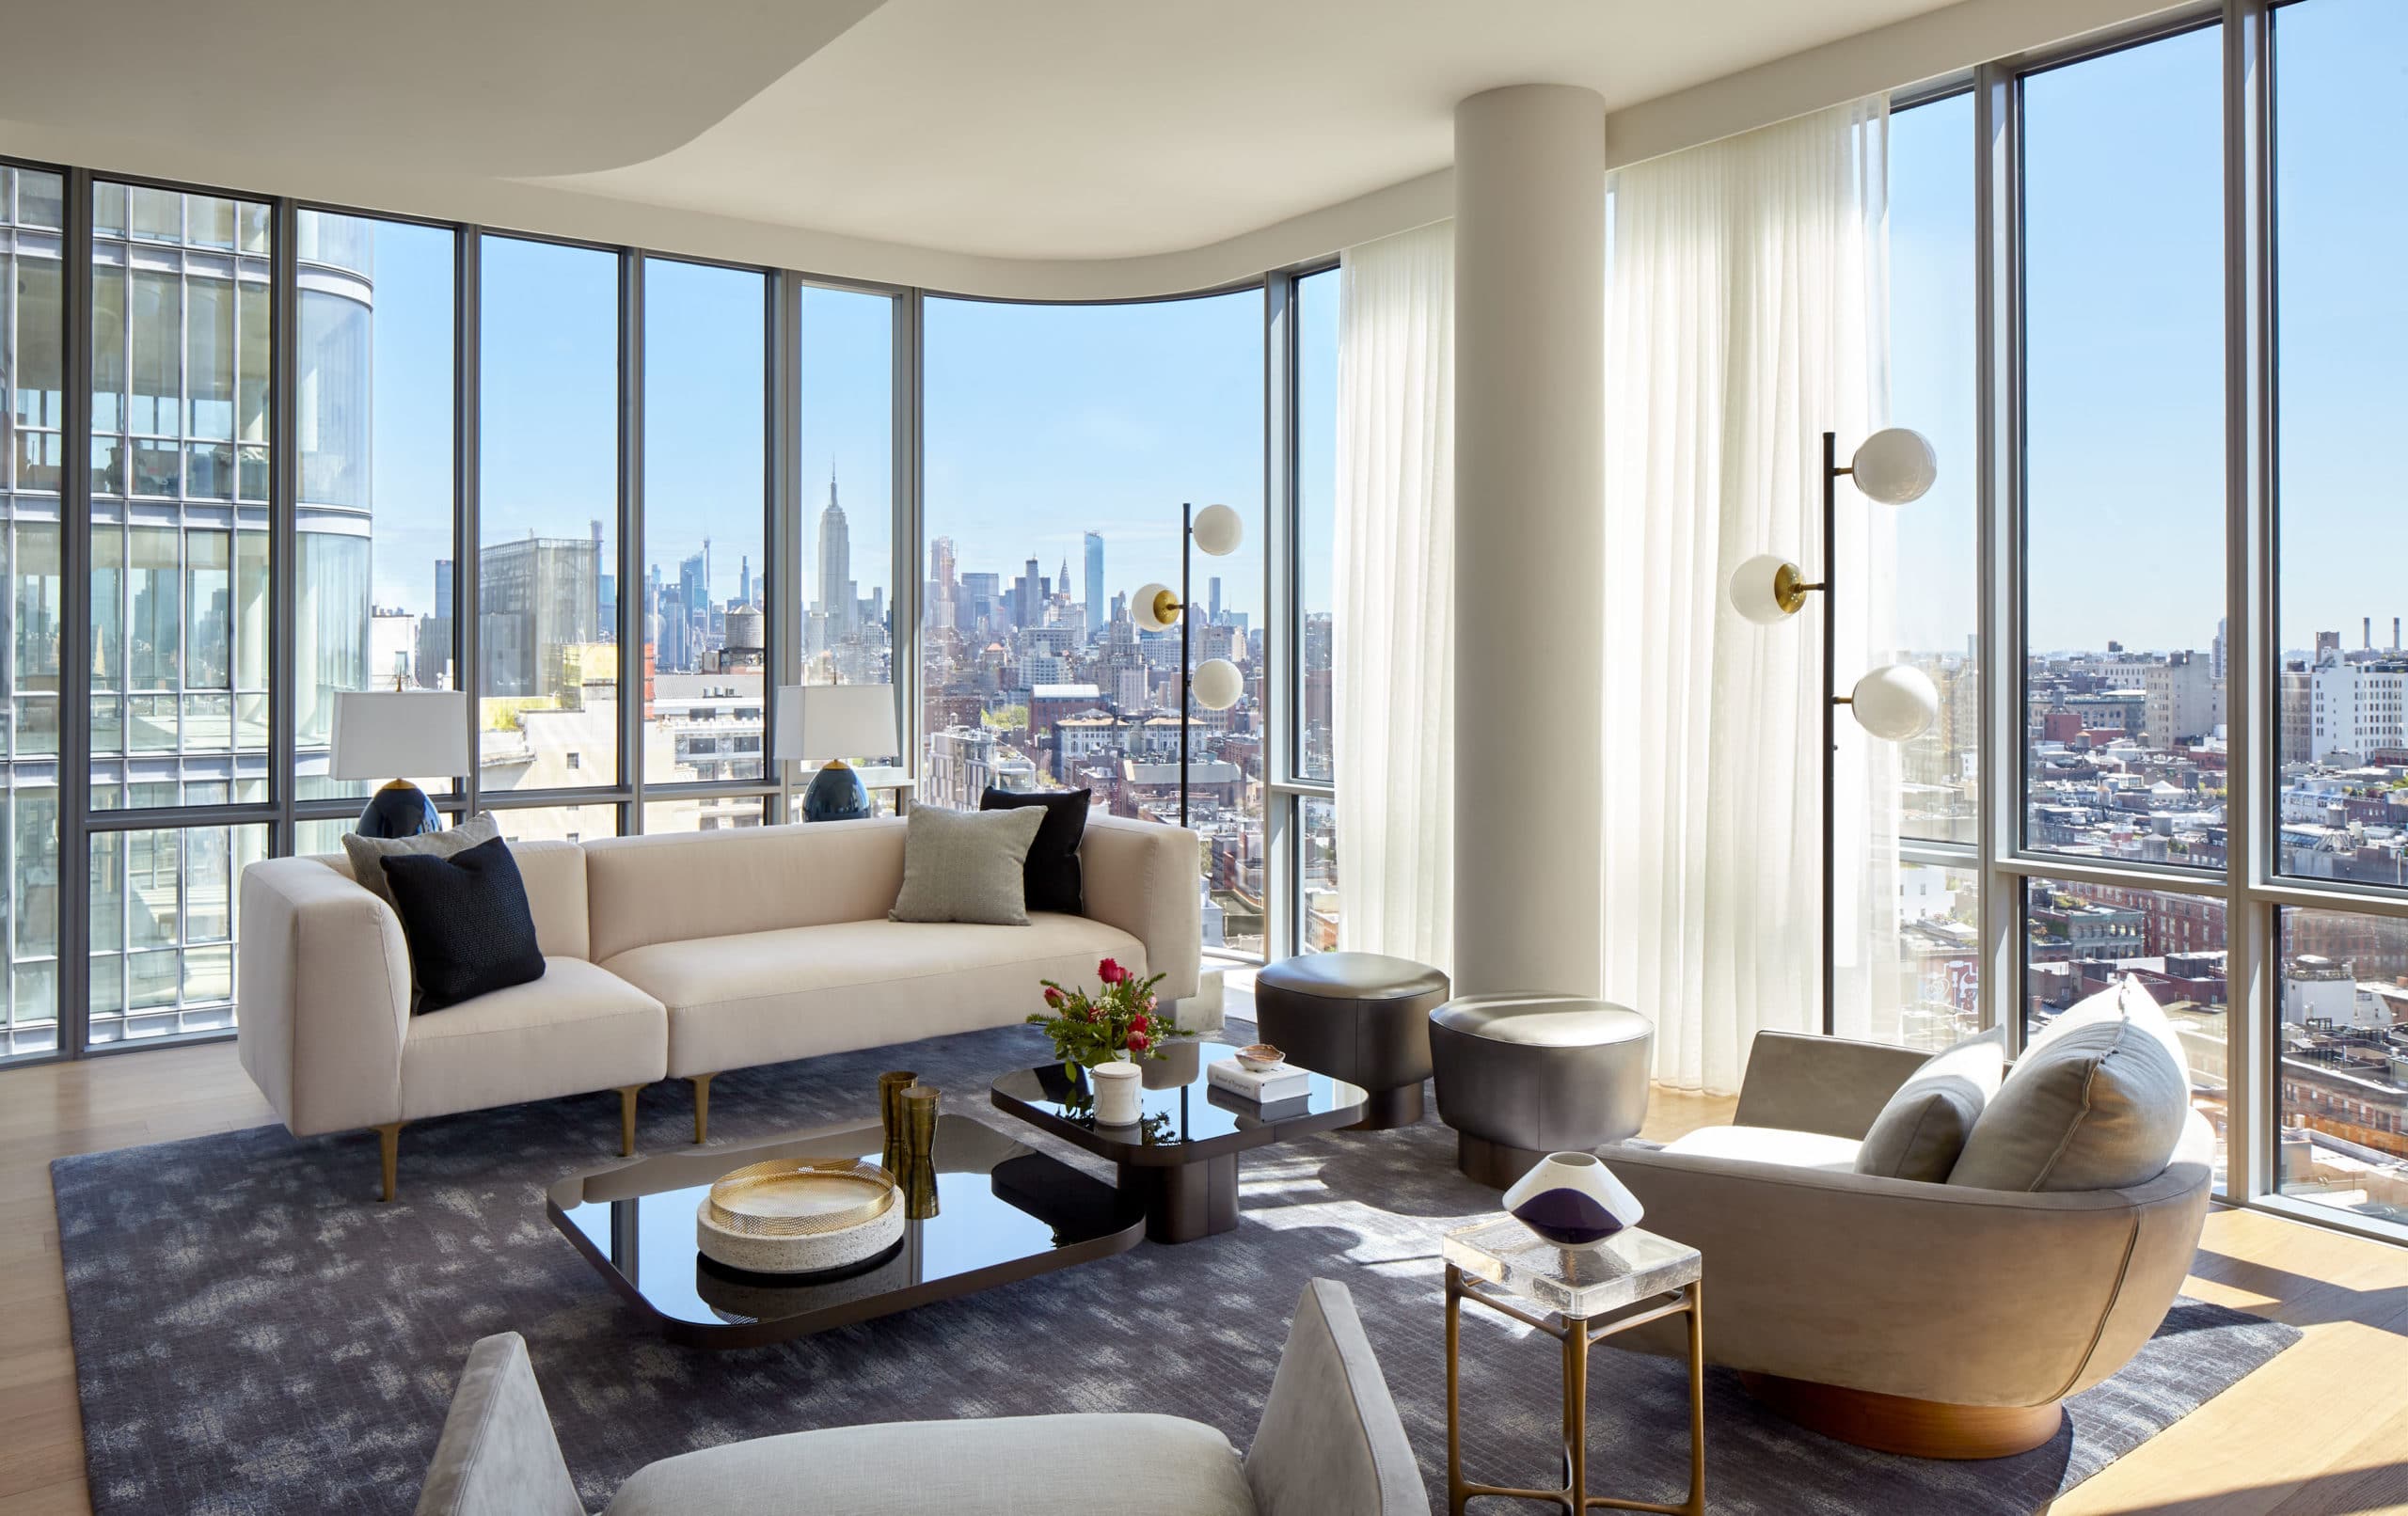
<point x="1522" y="1076"/>
<point x="1360" y="1017"/>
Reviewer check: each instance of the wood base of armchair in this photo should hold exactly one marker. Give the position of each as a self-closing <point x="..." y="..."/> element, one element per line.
<point x="1895" y="1424"/>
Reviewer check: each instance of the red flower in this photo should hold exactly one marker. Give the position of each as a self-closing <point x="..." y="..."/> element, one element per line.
<point x="1110" y="972"/>
<point x="1138" y="1042"/>
<point x="1054" y="998"/>
<point x="1139" y="1023"/>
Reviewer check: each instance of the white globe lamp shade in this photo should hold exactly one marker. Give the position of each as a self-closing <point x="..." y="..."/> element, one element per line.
<point x="1219" y="530"/>
<point x="1154" y="609"/>
<point x="1217" y="684"/>
<point x="1755" y="588"/>
<point x="1895" y="702"/>
<point x="1895" y="466"/>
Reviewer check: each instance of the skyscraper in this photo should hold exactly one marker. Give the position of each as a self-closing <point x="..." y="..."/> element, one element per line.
<point x="744" y="580"/>
<point x="1095" y="583"/>
<point x="835" y="566"/>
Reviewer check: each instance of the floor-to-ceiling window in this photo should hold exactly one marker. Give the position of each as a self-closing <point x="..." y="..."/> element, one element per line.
<point x="1061" y="442"/>
<point x="32" y="464"/>
<point x="1317" y="902"/>
<point x="706" y="577"/>
<point x="845" y="353"/>
<point x="548" y="590"/>
<point x="2340" y="707"/>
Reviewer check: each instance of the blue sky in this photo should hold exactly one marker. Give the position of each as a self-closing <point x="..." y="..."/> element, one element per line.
<point x="1045" y="423"/>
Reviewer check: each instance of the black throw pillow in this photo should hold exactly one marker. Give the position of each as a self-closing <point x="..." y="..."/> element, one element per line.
<point x="467" y="923"/>
<point x="1050" y="876"/>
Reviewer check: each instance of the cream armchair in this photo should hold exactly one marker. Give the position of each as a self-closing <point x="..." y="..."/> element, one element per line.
<point x="1934" y="1319"/>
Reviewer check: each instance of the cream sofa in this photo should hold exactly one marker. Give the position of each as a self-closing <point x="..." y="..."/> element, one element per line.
<point x="671" y="957"/>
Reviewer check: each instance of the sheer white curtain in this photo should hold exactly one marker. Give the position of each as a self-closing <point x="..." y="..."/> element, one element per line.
<point x="1746" y="315"/>
<point x="1392" y="675"/>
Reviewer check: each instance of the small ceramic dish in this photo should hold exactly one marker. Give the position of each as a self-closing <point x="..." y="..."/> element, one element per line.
<point x="1260" y="1057"/>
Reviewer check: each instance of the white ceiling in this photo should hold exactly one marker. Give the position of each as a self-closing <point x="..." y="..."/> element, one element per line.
<point x="1091" y="129"/>
<point x="1029" y="130"/>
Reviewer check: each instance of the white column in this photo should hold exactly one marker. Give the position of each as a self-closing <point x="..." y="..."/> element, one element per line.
<point x="1530" y="545"/>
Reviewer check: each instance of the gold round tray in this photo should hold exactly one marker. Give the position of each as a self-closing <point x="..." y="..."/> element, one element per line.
<point x="799" y="1197"/>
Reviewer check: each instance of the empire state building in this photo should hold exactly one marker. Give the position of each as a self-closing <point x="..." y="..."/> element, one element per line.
<point x="836" y="600"/>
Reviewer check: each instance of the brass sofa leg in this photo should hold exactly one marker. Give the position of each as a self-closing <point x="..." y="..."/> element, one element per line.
<point x="388" y="1148"/>
<point x="627" y="1093"/>
<point x="702" y="1083"/>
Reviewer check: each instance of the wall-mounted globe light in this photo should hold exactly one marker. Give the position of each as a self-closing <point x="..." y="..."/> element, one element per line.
<point x="1217" y="684"/>
<point x="1896" y="703"/>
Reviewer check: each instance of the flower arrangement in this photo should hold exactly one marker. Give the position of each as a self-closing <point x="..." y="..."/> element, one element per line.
<point x="1121" y="1020"/>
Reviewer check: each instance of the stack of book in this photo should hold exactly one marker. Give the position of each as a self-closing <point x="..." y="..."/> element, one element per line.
<point x="1273" y="1084"/>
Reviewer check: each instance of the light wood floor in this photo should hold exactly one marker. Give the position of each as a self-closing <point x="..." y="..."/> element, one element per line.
<point x="2323" y="1430"/>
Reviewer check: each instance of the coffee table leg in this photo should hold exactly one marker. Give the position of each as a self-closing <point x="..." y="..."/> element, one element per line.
<point x="1185" y="1202"/>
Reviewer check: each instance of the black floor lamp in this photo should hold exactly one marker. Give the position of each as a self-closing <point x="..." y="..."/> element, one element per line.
<point x="1218" y="531"/>
<point x="1896" y="702"/>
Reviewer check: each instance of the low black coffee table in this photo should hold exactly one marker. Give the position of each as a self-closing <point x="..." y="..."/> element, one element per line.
<point x="1004" y="1211"/>
<point x="1181" y="1157"/>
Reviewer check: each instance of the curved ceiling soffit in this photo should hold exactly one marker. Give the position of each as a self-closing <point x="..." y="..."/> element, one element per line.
<point x="395" y="85"/>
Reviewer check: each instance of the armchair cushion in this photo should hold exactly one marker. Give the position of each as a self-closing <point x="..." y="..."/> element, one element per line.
<point x="497" y="1455"/>
<point x="2098" y="1108"/>
<point x="1330" y="1439"/>
<point x="1779" y="1146"/>
<point x="1921" y="1129"/>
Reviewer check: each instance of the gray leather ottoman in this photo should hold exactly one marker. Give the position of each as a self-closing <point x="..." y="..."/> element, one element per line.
<point x="1360" y="1017"/>
<point x="1522" y="1076"/>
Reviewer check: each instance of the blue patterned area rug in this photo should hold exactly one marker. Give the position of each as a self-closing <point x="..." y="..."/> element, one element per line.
<point x="253" y="1334"/>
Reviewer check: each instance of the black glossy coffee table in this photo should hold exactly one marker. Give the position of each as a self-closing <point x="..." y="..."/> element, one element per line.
<point x="1004" y="1212"/>
<point x="1180" y="1158"/>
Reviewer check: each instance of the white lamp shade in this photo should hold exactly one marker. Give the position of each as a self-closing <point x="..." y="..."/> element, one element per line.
<point x="1894" y="702"/>
<point x="393" y="733"/>
<point x="1217" y="685"/>
<point x="1141" y="608"/>
<point x="1894" y="466"/>
<point x="816" y="722"/>
<point x="1219" y="530"/>
<point x="1751" y="589"/>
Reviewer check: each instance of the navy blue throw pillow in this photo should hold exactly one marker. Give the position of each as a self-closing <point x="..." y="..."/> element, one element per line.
<point x="467" y="923"/>
<point x="1050" y="878"/>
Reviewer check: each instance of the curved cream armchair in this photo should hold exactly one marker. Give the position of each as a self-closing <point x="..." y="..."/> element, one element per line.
<point x="1934" y="1319"/>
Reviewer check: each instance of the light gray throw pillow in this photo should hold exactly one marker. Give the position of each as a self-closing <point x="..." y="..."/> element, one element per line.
<point x="1921" y="1129"/>
<point x="2098" y="1108"/>
<point x="967" y="865"/>
<point x="367" y="854"/>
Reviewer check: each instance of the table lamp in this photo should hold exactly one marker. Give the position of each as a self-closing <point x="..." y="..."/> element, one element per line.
<point x="830" y="724"/>
<point x="382" y="732"/>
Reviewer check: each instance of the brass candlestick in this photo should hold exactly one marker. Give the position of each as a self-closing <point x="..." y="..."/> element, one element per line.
<point x="890" y="1117"/>
<point x="919" y="1150"/>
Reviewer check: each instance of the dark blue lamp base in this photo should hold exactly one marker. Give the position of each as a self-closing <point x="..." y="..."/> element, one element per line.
<point x="836" y="793"/>
<point x="400" y="809"/>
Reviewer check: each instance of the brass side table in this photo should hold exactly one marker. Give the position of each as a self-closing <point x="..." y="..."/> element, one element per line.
<point x="1583" y="1296"/>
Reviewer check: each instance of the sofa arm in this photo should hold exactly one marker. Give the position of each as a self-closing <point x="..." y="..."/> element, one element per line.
<point x="1934" y="1292"/>
<point x="1146" y="880"/>
<point x="1330" y="1439"/>
<point x="323" y="997"/>
<point x="497" y="1455"/>
<point x="1816" y="1083"/>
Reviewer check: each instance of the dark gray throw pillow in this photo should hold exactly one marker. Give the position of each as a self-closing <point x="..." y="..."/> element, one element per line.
<point x="966" y="865"/>
<point x="1051" y="875"/>
<point x="465" y="920"/>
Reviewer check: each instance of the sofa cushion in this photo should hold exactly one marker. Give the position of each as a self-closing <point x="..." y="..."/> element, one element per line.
<point x="366" y="854"/>
<point x="1768" y="1145"/>
<point x="1921" y="1129"/>
<point x="2101" y="1107"/>
<point x="677" y="887"/>
<point x="1051" y="874"/>
<point x="765" y="997"/>
<point x="967" y="866"/>
<point x="465" y="920"/>
<point x="577" y="1029"/>
<point x="1011" y="1466"/>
